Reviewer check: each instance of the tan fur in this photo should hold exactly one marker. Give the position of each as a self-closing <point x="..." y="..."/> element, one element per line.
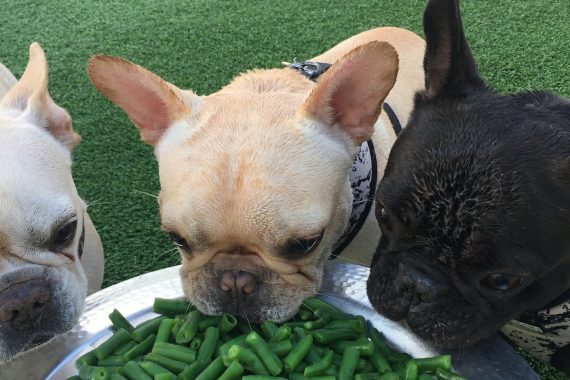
<point x="266" y="160"/>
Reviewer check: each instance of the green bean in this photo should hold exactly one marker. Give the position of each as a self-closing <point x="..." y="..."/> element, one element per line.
<point x="298" y="376"/>
<point x="313" y="355"/>
<point x="88" y="359"/>
<point x="348" y="364"/>
<point x="173" y="351"/>
<point x="282" y="333"/>
<point x="115" y="376"/>
<point x="213" y="370"/>
<point x="314" y="304"/>
<point x="195" y="343"/>
<point x="380" y="342"/>
<point x="355" y="324"/>
<point x="262" y="349"/>
<point x="100" y="373"/>
<point x="298" y="353"/>
<point x="281" y="348"/>
<point x="140" y="349"/>
<point x="234" y="371"/>
<point x="165" y="376"/>
<point x="299" y="332"/>
<point x="170" y="307"/>
<point x="133" y="371"/>
<point x="124" y="348"/>
<point x="321" y="366"/>
<point x="194" y="369"/>
<point x="144" y="331"/>
<point x="208" y="346"/>
<point x="112" y="361"/>
<point x="367" y="368"/>
<point x="269" y="329"/>
<point x="189" y="327"/>
<point x="248" y="358"/>
<point x="431" y="364"/>
<point x="164" y="330"/>
<point x="235" y="341"/>
<point x="399" y="368"/>
<point x="425" y="376"/>
<point x="227" y="323"/>
<point x="153" y="369"/>
<point x="119" y="321"/>
<point x="319" y="323"/>
<point x="444" y="374"/>
<point x="305" y="315"/>
<point x="293" y="324"/>
<point x="380" y="362"/>
<point x="326" y="336"/>
<point x="117" y="340"/>
<point x="208" y="321"/>
<point x="172" y="365"/>
<point x="367" y="376"/>
<point x="331" y="371"/>
<point x="365" y="346"/>
<point x="398" y="357"/>
<point x="390" y="376"/>
<point x="411" y="370"/>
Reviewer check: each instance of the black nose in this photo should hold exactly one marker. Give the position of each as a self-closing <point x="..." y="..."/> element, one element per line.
<point x="21" y="304"/>
<point x="422" y="281"/>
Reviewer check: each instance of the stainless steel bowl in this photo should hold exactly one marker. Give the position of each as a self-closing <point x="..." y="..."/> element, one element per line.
<point x="344" y="286"/>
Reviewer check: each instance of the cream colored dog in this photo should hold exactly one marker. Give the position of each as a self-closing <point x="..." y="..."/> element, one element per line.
<point x="50" y="254"/>
<point x="254" y="178"/>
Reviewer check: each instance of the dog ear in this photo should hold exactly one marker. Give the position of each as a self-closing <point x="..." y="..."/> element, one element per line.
<point x="7" y="80"/>
<point x="151" y="103"/>
<point x="30" y="97"/>
<point x="449" y="65"/>
<point x="350" y="94"/>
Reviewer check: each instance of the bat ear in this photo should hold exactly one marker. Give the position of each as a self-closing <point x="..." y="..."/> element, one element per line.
<point x="151" y="103"/>
<point x="30" y="98"/>
<point x="350" y="94"/>
<point x="449" y="65"/>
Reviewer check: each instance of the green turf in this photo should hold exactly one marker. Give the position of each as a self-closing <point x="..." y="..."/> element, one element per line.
<point x="201" y="44"/>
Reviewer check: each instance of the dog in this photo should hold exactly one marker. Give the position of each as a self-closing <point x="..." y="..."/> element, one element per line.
<point x="254" y="178"/>
<point x="474" y="206"/>
<point x="50" y="254"/>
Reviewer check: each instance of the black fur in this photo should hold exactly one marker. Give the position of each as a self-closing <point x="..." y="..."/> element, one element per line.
<point x="477" y="183"/>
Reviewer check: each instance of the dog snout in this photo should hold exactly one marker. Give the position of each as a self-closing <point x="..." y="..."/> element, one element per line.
<point x="421" y="281"/>
<point x="238" y="283"/>
<point x="21" y="304"/>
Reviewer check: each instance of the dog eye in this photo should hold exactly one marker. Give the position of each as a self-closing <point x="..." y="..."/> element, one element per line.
<point x="179" y="241"/>
<point x="502" y="281"/>
<point x="382" y="216"/>
<point x="65" y="234"/>
<point x="297" y="248"/>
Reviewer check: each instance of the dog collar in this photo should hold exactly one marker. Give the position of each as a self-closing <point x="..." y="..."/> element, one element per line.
<point x="364" y="171"/>
<point x="545" y="332"/>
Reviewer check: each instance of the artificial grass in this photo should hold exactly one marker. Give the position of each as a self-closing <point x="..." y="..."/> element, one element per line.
<point x="202" y="44"/>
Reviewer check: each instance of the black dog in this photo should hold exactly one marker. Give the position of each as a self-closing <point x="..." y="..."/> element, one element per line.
<point x="474" y="205"/>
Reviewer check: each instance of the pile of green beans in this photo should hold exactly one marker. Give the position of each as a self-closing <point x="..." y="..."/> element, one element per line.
<point x="319" y="343"/>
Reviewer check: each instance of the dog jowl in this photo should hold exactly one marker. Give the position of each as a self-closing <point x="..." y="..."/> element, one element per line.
<point x="474" y="204"/>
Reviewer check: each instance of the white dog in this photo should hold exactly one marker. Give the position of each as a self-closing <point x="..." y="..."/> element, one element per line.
<point x="50" y="254"/>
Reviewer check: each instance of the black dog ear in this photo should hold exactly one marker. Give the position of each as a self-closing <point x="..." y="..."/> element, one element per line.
<point x="448" y="63"/>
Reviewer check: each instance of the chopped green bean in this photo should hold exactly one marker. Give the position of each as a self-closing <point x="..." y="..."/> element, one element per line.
<point x="194" y="369"/>
<point x="262" y="349"/>
<point x="189" y="327"/>
<point x="133" y="371"/>
<point x="227" y="323"/>
<point x="348" y="364"/>
<point x="208" y="321"/>
<point x="234" y="371"/>
<point x="411" y="370"/>
<point x="164" y="330"/>
<point x="298" y="353"/>
<point x="208" y="346"/>
<point x="120" y="322"/>
<point x="248" y="359"/>
<point x="172" y="365"/>
<point x="321" y="366"/>
<point x="431" y="364"/>
<point x="153" y="369"/>
<point x="140" y="349"/>
<point x="170" y="307"/>
<point x="444" y="374"/>
<point x="176" y="352"/>
<point x="145" y="330"/>
<point x="117" y="340"/>
<point x="213" y="370"/>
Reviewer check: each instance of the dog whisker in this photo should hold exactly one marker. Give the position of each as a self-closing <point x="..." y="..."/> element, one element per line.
<point x="247" y="320"/>
<point x="155" y="196"/>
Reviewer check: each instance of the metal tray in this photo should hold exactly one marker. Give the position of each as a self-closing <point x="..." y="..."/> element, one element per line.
<point x="344" y="286"/>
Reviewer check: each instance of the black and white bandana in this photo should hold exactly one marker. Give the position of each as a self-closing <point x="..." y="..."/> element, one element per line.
<point x="545" y="332"/>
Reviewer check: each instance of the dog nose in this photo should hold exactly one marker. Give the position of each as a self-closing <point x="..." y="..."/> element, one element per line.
<point x="21" y="304"/>
<point x="425" y="283"/>
<point x="238" y="283"/>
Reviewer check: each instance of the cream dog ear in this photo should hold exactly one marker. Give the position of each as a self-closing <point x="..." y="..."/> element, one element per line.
<point x="7" y="80"/>
<point x="30" y="98"/>
<point x="350" y="94"/>
<point x="151" y="103"/>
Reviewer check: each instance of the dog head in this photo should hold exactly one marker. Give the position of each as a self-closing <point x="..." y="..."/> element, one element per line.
<point x="254" y="178"/>
<point x="42" y="284"/>
<point x="474" y="203"/>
